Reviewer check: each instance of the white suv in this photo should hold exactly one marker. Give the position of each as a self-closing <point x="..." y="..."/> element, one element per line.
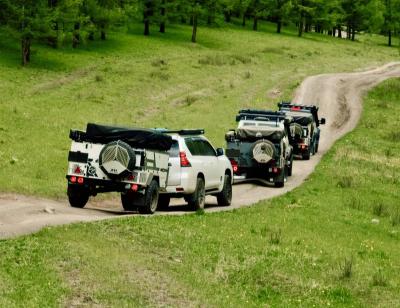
<point x="196" y="169"/>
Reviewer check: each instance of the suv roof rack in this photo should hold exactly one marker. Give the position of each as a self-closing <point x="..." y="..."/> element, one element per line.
<point x="183" y="132"/>
<point x="297" y="107"/>
<point x="260" y="115"/>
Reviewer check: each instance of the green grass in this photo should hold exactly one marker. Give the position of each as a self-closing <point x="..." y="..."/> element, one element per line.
<point x="319" y="245"/>
<point x="156" y="81"/>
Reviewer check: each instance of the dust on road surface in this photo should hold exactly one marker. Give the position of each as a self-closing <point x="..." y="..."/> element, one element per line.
<point x="339" y="97"/>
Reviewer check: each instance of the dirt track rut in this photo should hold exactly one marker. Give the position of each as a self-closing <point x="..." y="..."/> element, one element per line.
<point x="339" y="97"/>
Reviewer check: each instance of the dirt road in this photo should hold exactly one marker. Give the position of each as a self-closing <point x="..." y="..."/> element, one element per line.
<point x="339" y="97"/>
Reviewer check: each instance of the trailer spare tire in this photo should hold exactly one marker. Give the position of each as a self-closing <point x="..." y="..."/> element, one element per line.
<point x="117" y="159"/>
<point x="263" y="151"/>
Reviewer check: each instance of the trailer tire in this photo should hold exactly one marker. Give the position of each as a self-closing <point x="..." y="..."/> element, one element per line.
<point x="163" y="202"/>
<point x="281" y="182"/>
<point x="128" y="201"/>
<point x="150" y="199"/>
<point x="77" y="196"/>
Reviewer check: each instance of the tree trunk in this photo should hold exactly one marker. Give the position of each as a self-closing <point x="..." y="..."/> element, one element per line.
<point x="353" y="34"/>
<point x="162" y="12"/>
<point x="330" y="32"/>
<point x="103" y="35"/>
<point x="255" y="23"/>
<point x="91" y="36"/>
<point x="301" y="23"/>
<point x="227" y="15"/>
<point x="194" y="32"/>
<point x="390" y="38"/>
<point x="244" y="20"/>
<point x="340" y="31"/>
<point x="26" y="50"/>
<point x="76" y="37"/>
<point x="278" y="26"/>
<point x="146" y="17"/>
<point x="191" y="20"/>
<point x="334" y="32"/>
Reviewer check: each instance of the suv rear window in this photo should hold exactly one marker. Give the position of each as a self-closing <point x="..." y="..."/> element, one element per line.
<point x="199" y="147"/>
<point x="174" y="150"/>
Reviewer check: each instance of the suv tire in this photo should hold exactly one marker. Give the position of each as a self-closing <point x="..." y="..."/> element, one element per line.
<point x="198" y="199"/>
<point x="77" y="196"/>
<point x="150" y="199"/>
<point x="224" y="198"/>
<point x="163" y="202"/>
<point x="128" y="201"/>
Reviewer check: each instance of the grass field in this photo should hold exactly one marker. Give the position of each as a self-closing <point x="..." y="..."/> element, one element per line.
<point x="162" y="80"/>
<point x="332" y="242"/>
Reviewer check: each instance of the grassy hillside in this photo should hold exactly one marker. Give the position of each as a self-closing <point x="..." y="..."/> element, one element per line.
<point x="332" y="242"/>
<point x="162" y="80"/>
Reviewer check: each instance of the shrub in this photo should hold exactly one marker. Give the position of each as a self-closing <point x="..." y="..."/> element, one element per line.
<point x="379" y="279"/>
<point x="378" y="208"/>
<point x="275" y="237"/>
<point x="346" y="268"/>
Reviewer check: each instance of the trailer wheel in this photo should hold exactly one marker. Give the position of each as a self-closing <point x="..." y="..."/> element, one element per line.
<point x="224" y="198"/>
<point x="197" y="199"/>
<point x="306" y="155"/>
<point x="163" y="202"/>
<point x="290" y="169"/>
<point x="281" y="182"/>
<point x="128" y="201"/>
<point x="77" y="196"/>
<point x="150" y="200"/>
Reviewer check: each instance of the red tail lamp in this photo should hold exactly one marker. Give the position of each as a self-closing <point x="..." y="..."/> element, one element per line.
<point x="275" y="170"/>
<point x="73" y="179"/>
<point x="134" y="187"/>
<point x="184" y="160"/>
<point x="80" y="180"/>
<point x="235" y="165"/>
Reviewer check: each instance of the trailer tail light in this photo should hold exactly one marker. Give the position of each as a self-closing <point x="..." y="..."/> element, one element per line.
<point x="134" y="187"/>
<point x="72" y="179"/>
<point x="275" y="170"/>
<point x="235" y="165"/>
<point x="303" y="146"/>
<point x="296" y="108"/>
<point x="184" y="160"/>
<point x="80" y="180"/>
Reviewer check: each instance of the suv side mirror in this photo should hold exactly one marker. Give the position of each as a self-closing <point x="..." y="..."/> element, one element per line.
<point x="220" y="152"/>
<point x="322" y="121"/>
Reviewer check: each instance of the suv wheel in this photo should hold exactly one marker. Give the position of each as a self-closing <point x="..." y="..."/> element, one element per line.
<point x="150" y="199"/>
<point x="198" y="198"/>
<point x="77" y="196"/>
<point x="163" y="202"/>
<point x="316" y="147"/>
<point x="224" y="198"/>
<point x="128" y="201"/>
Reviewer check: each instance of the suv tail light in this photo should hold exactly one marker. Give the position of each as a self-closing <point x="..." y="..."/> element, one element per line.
<point x="235" y="165"/>
<point x="184" y="160"/>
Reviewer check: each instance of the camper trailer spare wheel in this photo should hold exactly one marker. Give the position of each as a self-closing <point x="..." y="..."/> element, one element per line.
<point x="117" y="159"/>
<point x="263" y="151"/>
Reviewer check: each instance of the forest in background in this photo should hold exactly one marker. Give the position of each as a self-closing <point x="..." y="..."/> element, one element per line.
<point x="74" y="22"/>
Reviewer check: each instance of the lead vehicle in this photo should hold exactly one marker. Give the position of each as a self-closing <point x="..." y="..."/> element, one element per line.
<point x="305" y="129"/>
<point x="259" y="147"/>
